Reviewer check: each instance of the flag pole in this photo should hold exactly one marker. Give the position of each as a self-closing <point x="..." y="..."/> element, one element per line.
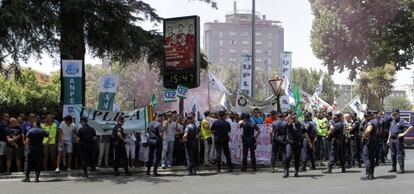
<point x="208" y="88"/>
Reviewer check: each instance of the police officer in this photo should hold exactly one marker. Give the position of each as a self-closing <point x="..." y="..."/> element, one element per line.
<point x="396" y="141"/>
<point x="86" y="140"/>
<point x="34" y="151"/>
<point x="336" y="136"/>
<point x="119" y="140"/>
<point x="155" y="144"/>
<point x="378" y="138"/>
<point x="249" y="141"/>
<point x="294" y="144"/>
<point x="190" y="140"/>
<point x="278" y="137"/>
<point x="369" y="144"/>
<point x="308" y="141"/>
<point x="354" y="131"/>
<point x="221" y="129"/>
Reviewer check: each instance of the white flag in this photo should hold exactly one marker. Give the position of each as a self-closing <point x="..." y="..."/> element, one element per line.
<point x="319" y="88"/>
<point x="223" y="102"/>
<point x="289" y="93"/>
<point x="193" y="105"/>
<point x="216" y="84"/>
<point x="356" y="105"/>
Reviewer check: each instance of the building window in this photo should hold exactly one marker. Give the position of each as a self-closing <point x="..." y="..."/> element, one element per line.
<point x="258" y="51"/>
<point x="221" y="34"/>
<point x="233" y="51"/>
<point x="269" y="44"/>
<point x="245" y="51"/>
<point x="259" y="60"/>
<point x="258" y="42"/>
<point x="232" y="42"/>
<point x="221" y="43"/>
<point x="245" y="34"/>
<point x="232" y="59"/>
<point x="245" y="42"/>
<point x="269" y="35"/>
<point x="232" y="33"/>
<point x="221" y="52"/>
<point x="258" y="34"/>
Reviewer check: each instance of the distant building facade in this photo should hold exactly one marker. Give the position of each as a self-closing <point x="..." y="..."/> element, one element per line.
<point x="225" y="42"/>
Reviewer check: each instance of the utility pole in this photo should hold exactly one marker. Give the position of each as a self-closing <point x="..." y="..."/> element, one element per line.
<point x="266" y="78"/>
<point x="253" y="48"/>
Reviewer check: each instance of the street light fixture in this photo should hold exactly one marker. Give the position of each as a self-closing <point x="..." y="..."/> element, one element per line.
<point x="276" y="85"/>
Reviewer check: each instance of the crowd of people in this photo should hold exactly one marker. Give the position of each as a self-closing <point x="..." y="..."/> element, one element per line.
<point x="321" y="138"/>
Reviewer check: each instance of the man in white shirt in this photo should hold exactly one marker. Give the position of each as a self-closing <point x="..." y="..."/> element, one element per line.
<point x="65" y="142"/>
<point x="169" y="128"/>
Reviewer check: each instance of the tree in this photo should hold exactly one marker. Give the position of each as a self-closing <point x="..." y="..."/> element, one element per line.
<point x="362" y="34"/>
<point x="308" y="80"/>
<point x="400" y="102"/>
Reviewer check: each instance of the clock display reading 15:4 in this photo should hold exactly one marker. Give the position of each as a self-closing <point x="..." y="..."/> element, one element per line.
<point x="174" y="79"/>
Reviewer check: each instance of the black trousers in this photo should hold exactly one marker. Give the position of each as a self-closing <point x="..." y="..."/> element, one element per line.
<point x="246" y="148"/>
<point x="397" y="152"/>
<point x="34" y="160"/>
<point x="223" y="146"/>
<point x="87" y="156"/>
<point x="356" y="149"/>
<point x="120" y="156"/>
<point x="369" y="152"/>
<point x="157" y="150"/>
<point x="276" y="151"/>
<point x="347" y="151"/>
<point x="190" y="152"/>
<point x="335" y="153"/>
<point x="308" y="154"/>
<point x="295" y="150"/>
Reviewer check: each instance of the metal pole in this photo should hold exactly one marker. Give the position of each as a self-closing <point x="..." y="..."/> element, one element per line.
<point x="181" y="106"/>
<point x="253" y="48"/>
<point x="208" y="89"/>
<point x="134" y="103"/>
<point x="266" y="77"/>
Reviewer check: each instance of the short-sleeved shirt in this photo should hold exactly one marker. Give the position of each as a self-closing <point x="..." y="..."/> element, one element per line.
<point x="269" y="120"/>
<point x="191" y="131"/>
<point x="26" y="126"/>
<point x="205" y="129"/>
<point x="154" y="130"/>
<point x="310" y="129"/>
<point x="3" y="128"/>
<point x="373" y="123"/>
<point x="221" y="129"/>
<point x="115" y="130"/>
<point x="256" y="120"/>
<point x="295" y="132"/>
<point x="14" y="132"/>
<point x="248" y="131"/>
<point x="169" y="131"/>
<point x="67" y="131"/>
<point x="280" y="127"/>
<point x="86" y="134"/>
<point x="398" y="126"/>
<point x="355" y="127"/>
<point x="36" y="136"/>
<point x="338" y="130"/>
<point x="52" y="130"/>
<point x="322" y="129"/>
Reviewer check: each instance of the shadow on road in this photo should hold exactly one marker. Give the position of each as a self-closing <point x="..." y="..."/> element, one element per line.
<point x="387" y="177"/>
<point x="312" y="176"/>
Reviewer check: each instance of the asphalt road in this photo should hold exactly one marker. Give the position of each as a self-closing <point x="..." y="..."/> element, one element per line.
<point x="227" y="183"/>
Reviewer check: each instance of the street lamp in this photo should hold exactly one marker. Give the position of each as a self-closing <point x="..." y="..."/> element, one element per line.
<point x="276" y="85"/>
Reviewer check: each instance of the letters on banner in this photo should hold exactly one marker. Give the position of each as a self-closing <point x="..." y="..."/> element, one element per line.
<point x="170" y="95"/>
<point x="182" y="91"/>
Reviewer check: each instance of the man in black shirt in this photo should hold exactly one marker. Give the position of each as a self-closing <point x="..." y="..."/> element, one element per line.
<point x="4" y="122"/>
<point x="336" y="137"/>
<point x="278" y="137"/>
<point x="119" y="140"/>
<point x="34" y="151"/>
<point x="354" y="130"/>
<point x="86" y="139"/>
<point x="190" y="140"/>
<point x="294" y="144"/>
<point x="369" y="144"/>
<point x="249" y="141"/>
<point x="14" y="149"/>
<point x="221" y="129"/>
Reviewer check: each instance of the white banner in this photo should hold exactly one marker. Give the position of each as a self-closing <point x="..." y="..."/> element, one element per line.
<point x="170" y="95"/>
<point x="245" y="104"/>
<point x="314" y="102"/>
<point x="72" y="83"/>
<point x="246" y="75"/>
<point x="286" y="66"/>
<point x="216" y="84"/>
<point x="319" y="88"/>
<point x="356" y="106"/>
<point x="109" y="84"/>
<point x="104" y="121"/>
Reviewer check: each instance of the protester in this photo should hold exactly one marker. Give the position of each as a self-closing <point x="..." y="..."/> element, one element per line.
<point x="104" y="146"/>
<point x="49" y="142"/>
<point x="271" y="118"/>
<point x="206" y="136"/>
<point x="14" y="148"/>
<point x="65" y="143"/>
<point x="255" y="118"/>
<point x="3" y="137"/>
<point x="321" y="143"/>
<point x="130" y="148"/>
<point x="308" y="142"/>
<point x="169" y="127"/>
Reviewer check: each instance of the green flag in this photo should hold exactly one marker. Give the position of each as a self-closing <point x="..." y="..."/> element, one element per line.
<point x="298" y="102"/>
<point x="154" y="100"/>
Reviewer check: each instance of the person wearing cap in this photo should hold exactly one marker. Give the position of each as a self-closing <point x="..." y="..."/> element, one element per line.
<point x="396" y="141"/>
<point x="221" y="129"/>
<point x="86" y="139"/>
<point x="249" y="141"/>
<point x="34" y="151"/>
<point x="354" y="131"/>
<point x="368" y="142"/>
<point x="120" y="140"/>
<point x="294" y="144"/>
<point x="336" y="137"/>
<point x="278" y="137"/>
<point x="190" y="141"/>
<point x="308" y="141"/>
<point x="155" y="137"/>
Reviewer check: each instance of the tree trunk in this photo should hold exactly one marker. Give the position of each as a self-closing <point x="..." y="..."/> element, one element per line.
<point x="72" y="38"/>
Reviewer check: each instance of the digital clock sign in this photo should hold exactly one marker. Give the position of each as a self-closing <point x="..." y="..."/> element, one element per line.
<point x="182" y="52"/>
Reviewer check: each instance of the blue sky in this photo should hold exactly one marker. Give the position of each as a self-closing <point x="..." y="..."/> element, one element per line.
<point x="295" y="15"/>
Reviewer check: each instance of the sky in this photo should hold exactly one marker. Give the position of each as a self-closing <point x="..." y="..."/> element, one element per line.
<point x="295" y="15"/>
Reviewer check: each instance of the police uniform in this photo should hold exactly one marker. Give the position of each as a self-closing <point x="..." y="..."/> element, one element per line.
<point x="398" y="126"/>
<point x="34" y="152"/>
<point x="249" y="143"/>
<point x="87" y="137"/>
<point x="155" y="147"/>
<point x="355" y="141"/>
<point x="293" y="147"/>
<point x="120" y="151"/>
<point x="308" y="152"/>
<point x="336" y="139"/>
<point x="279" y="139"/>
<point x="221" y="130"/>
<point x="369" y="150"/>
<point x="191" y="148"/>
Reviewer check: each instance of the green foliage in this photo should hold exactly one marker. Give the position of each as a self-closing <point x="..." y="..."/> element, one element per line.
<point x="362" y="34"/>
<point x="400" y="102"/>
<point x="308" y="81"/>
<point x="19" y="95"/>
